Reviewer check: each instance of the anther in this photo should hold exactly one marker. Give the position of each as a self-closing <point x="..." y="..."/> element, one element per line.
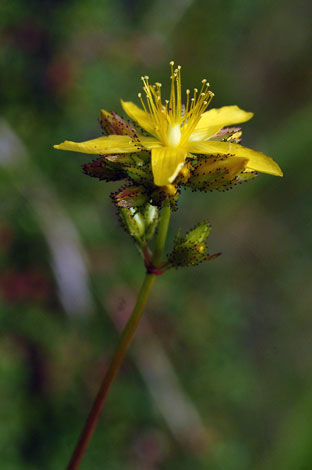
<point x="204" y="81"/>
<point x="188" y="91"/>
<point x="171" y="63"/>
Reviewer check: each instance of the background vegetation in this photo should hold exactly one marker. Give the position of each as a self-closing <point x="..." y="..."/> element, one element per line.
<point x="220" y="374"/>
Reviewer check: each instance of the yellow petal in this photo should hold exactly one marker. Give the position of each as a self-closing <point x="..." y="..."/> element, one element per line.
<point x="149" y="142"/>
<point x="101" y="145"/>
<point x="256" y="160"/>
<point x="213" y="120"/>
<point x="166" y="164"/>
<point x="141" y="117"/>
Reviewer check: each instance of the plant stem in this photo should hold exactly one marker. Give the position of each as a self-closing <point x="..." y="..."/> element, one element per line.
<point x="162" y="233"/>
<point x="122" y="347"/>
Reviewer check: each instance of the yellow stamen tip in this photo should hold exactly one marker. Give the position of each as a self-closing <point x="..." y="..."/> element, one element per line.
<point x="171" y="63"/>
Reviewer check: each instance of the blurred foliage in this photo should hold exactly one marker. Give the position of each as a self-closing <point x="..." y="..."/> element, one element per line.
<point x="238" y="330"/>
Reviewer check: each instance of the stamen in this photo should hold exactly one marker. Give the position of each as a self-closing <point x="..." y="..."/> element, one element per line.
<point x="142" y="102"/>
<point x="179" y="98"/>
<point x="187" y="101"/>
<point x="167" y="117"/>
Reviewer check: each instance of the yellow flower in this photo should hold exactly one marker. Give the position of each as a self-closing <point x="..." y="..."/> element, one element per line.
<point x="176" y="131"/>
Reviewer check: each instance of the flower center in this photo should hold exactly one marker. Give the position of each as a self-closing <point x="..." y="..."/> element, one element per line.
<point x="174" y="135"/>
<point x="173" y="123"/>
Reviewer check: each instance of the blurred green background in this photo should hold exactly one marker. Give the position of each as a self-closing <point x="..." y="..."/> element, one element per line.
<point x="220" y="375"/>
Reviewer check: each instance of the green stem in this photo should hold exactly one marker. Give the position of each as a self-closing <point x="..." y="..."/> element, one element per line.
<point x="162" y="233"/>
<point x="122" y="347"/>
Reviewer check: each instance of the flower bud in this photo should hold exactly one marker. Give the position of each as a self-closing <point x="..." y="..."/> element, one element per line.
<point x="191" y="249"/>
<point x="103" y="169"/>
<point x="210" y="173"/>
<point x="140" y="174"/>
<point x="116" y="125"/>
<point x="130" y="196"/>
<point x="229" y="134"/>
<point x="150" y="215"/>
<point x="141" y="225"/>
<point x="133" y="222"/>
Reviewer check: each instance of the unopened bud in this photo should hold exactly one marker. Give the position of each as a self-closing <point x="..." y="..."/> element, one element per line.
<point x="116" y="125"/>
<point x="215" y="173"/>
<point x="191" y="249"/>
<point x="103" y="169"/>
<point x="133" y="222"/>
<point x="150" y="215"/>
<point x="130" y="196"/>
<point x="140" y="174"/>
